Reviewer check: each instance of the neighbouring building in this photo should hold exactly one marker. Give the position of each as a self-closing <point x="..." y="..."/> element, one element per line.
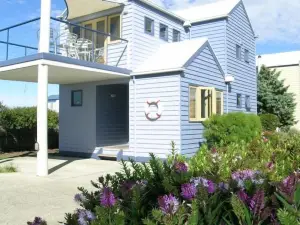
<point x="288" y="64"/>
<point x="53" y="103"/>
<point x="134" y="76"/>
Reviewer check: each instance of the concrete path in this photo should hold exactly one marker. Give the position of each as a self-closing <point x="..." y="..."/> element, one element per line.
<point x="23" y="195"/>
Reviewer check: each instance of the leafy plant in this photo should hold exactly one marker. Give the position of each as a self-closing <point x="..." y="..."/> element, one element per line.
<point x="269" y="122"/>
<point x="273" y="97"/>
<point x="232" y="128"/>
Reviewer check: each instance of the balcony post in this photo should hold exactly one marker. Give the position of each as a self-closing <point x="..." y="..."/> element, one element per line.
<point x="42" y="101"/>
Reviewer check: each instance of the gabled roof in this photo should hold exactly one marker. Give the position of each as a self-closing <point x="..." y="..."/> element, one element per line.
<point x="279" y="59"/>
<point x="206" y="12"/>
<point x="172" y="57"/>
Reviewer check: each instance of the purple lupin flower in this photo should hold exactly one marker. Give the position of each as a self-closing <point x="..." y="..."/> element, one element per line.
<point x="168" y="204"/>
<point x="211" y="187"/>
<point x="257" y="203"/>
<point x="79" y="198"/>
<point x="242" y="195"/>
<point x="85" y="216"/>
<point x="188" y="191"/>
<point x="107" y="198"/>
<point x="224" y="186"/>
<point x="181" y="167"/>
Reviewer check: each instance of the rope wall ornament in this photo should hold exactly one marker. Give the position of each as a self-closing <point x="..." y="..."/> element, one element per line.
<point x="152" y="114"/>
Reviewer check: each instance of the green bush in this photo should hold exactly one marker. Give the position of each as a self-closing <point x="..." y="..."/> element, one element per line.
<point x="269" y="122"/>
<point x="232" y="128"/>
<point x="25" y="118"/>
<point x="18" y="128"/>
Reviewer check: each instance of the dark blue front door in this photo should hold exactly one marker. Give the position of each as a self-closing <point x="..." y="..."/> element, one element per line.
<point x="112" y="115"/>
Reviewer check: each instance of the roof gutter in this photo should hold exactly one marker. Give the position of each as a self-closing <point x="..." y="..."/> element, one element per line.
<point x="210" y="18"/>
<point x="158" y="71"/>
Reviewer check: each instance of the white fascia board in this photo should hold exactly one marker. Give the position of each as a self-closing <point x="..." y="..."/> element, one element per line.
<point x="211" y="18"/>
<point x="157" y="71"/>
<point x="77" y="67"/>
<point x="57" y="64"/>
<point x="20" y="65"/>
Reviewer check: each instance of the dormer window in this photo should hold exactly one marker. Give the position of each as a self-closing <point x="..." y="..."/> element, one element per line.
<point x="163" y="32"/>
<point x="149" y="26"/>
<point x="176" y="35"/>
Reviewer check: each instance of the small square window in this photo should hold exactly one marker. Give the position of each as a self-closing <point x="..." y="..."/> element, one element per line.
<point x="246" y="56"/>
<point x="248" y="102"/>
<point x="176" y="35"/>
<point x="149" y="26"/>
<point x="76" y="98"/>
<point x="239" y="100"/>
<point x="238" y="52"/>
<point x="163" y="32"/>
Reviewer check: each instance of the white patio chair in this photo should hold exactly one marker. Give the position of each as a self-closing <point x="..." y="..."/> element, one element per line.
<point x="99" y="55"/>
<point x="69" y="41"/>
<point x="84" y="47"/>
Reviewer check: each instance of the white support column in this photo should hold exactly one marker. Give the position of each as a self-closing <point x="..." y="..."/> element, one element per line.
<point x="42" y="121"/>
<point x="42" y="102"/>
<point x="45" y="26"/>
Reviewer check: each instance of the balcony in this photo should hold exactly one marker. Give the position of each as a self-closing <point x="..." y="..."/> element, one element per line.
<point x="77" y="53"/>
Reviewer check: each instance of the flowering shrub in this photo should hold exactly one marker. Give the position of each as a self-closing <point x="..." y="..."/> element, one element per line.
<point x="171" y="192"/>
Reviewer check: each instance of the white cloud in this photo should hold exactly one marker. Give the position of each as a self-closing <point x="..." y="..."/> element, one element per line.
<point x="272" y="20"/>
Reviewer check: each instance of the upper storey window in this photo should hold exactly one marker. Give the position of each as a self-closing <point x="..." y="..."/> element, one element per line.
<point x="114" y="27"/>
<point x="163" y="32"/>
<point x="176" y="35"/>
<point x="149" y="26"/>
<point x="238" y="52"/>
<point x="246" y="55"/>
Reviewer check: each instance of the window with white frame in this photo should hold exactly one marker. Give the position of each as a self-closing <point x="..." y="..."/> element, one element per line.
<point x="163" y="32"/>
<point x="176" y="35"/>
<point x="149" y="26"/>
<point x="248" y="102"/>
<point x="246" y="56"/>
<point x="204" y="102"/>
<point x="238" y="52"/>
<point x="239" y="100"/>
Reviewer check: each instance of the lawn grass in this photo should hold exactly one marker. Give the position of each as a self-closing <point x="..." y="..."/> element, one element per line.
<point x="8" y="169"/>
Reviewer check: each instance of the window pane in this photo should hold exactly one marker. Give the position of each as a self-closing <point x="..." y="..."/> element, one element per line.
<point x="149" y="26"/>
<point x="176" y="36"/>
<point x="77" y="98"/>
<point x="246" y="55"/>
<point x="115" y="28"/>
<point x="203" y="104"/>
<point x="248" y="102"/>
<point x="239" y="100"/>
<point x="238" y="52"/>
<point x="163" y="32"/>
<point x="76" y="30"/>
<point x="219" y="100"/>
<point x="192" y="103"/>
<point x="87" y="33"/>
<point x="100" y="38"/>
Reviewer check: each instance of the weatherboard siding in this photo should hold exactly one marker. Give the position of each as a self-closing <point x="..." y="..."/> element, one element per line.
<point x="215" y="31"/>
<point x="143" y="45"/>
<point x="147" y="136"/>
<point x="239" y="32"/>
<point x="202" y="71"/>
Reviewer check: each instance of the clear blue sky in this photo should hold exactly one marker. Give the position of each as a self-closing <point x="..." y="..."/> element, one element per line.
<point x="278" y="32"/>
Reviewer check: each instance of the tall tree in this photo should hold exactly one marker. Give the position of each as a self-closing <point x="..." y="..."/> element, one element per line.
<point x="274" y="98"/>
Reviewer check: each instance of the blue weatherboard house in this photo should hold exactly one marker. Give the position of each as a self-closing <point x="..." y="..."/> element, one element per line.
<point x="134" y="76"/>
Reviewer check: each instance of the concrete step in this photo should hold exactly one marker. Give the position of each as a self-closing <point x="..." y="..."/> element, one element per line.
<point x="107" y="157"/>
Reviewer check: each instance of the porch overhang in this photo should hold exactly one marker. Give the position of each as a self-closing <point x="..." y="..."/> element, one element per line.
<point x="78" y="8"/>
<point x="62" y="70"/>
